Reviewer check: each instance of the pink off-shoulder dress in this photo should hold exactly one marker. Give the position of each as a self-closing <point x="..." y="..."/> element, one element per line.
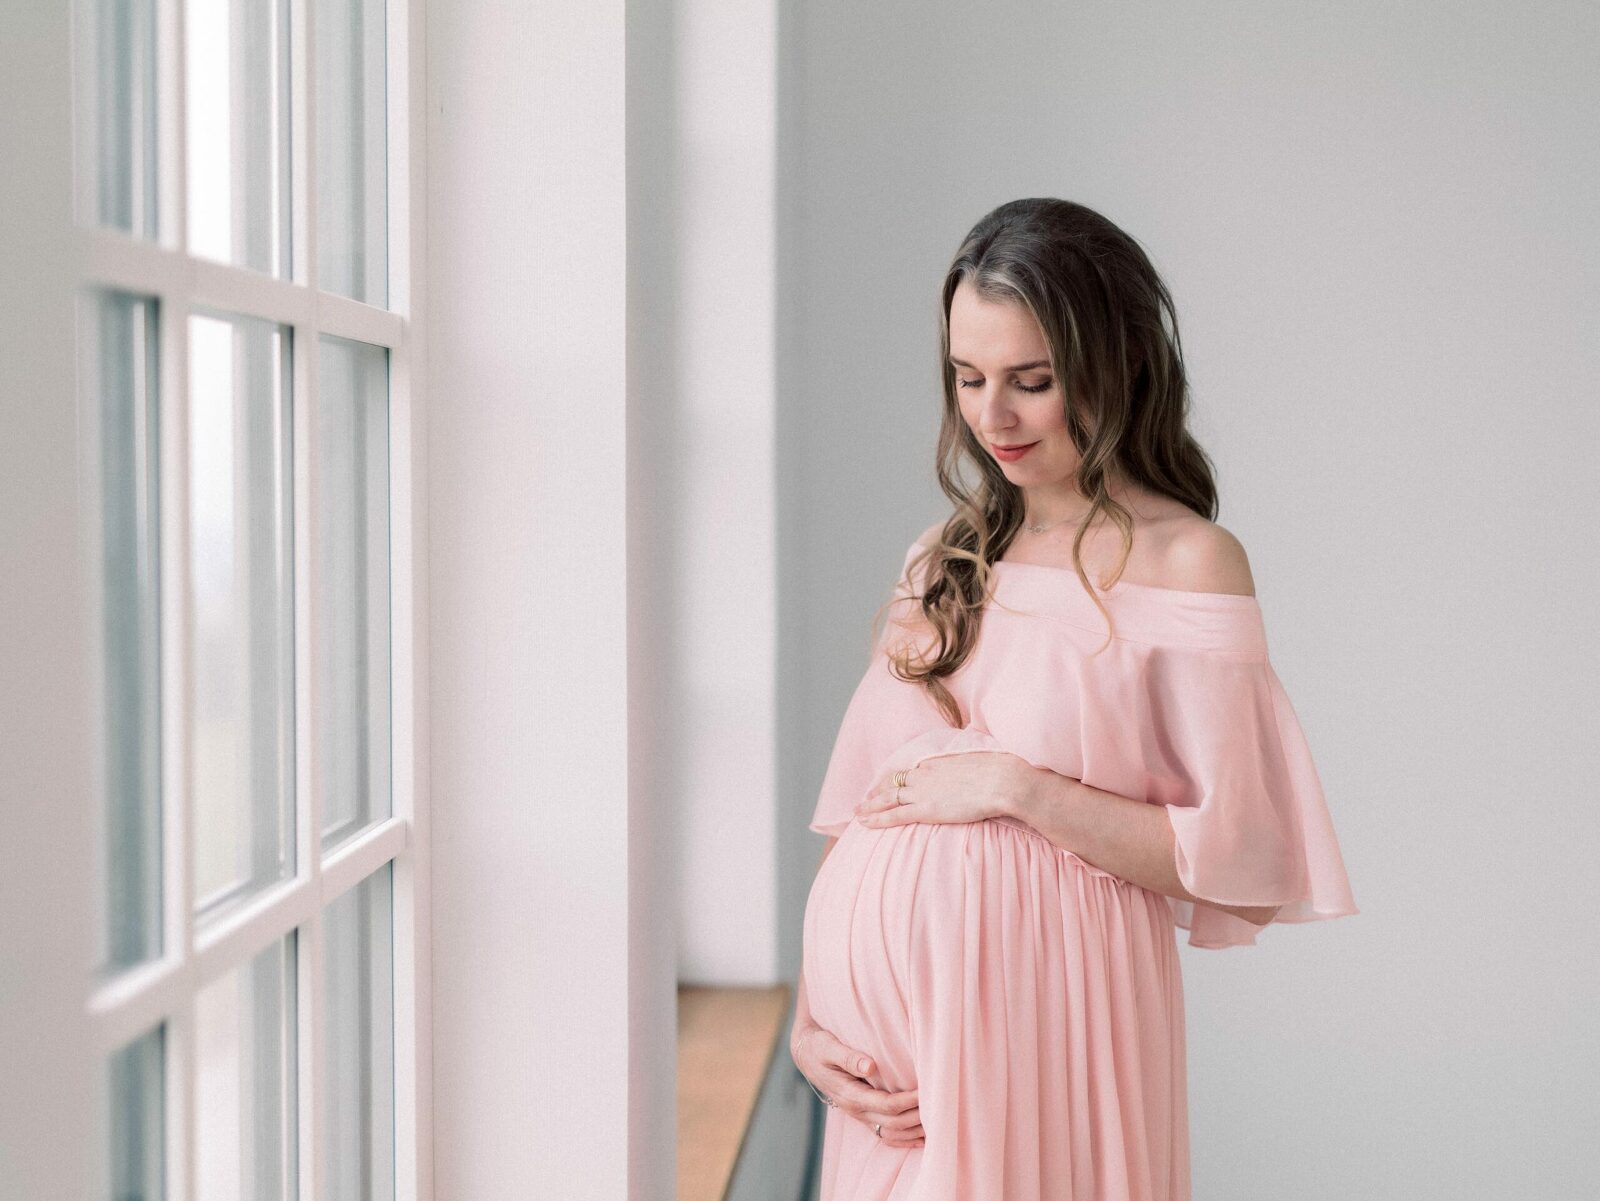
<point x="1034" y="1000"/>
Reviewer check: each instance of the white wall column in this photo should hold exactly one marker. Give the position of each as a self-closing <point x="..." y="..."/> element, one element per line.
<point x="553" y="1037"/>
<point x="725" y="622"/>
<point x="49" y="803"/>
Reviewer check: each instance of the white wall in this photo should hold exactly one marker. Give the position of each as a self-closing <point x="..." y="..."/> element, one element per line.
<point x="48" y="810"/>
<point x="1382" y="228"/>
<point x="720" y="457"/>
<point x="553" y="1034"/>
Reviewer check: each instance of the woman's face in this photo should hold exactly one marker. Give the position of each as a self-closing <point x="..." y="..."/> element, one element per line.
<point x="1008" y="394"/>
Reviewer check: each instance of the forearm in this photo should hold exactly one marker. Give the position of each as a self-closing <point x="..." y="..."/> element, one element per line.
<point x="1128" y="838"/>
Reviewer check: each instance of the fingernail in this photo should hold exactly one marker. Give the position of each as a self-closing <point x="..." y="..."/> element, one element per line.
<point x="863" y="1065"/>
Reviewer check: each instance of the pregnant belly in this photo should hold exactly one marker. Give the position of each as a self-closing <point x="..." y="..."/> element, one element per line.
<point x="898" y="916"/>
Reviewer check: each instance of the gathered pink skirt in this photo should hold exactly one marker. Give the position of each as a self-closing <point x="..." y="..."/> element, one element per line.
<point x="1033" y="1000"/>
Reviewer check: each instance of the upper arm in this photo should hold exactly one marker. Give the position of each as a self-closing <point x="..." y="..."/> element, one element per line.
<point x="1205" y="557"/>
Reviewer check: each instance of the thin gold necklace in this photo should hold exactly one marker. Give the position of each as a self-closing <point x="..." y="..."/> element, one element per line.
<point x="1039" y="529"/>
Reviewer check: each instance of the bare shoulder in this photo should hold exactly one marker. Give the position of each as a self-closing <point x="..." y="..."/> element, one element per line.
<point x="931" y="535"/>
<point x="1202" y="556"/>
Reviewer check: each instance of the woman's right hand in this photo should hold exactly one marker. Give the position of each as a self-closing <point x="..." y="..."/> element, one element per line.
<point x="837" y="1072"/>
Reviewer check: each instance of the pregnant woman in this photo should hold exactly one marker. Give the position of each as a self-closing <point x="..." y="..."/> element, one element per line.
<point x="1069" y="743"/>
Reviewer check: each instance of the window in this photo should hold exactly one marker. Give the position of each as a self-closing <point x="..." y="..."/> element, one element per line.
<point x="245" y="410"/>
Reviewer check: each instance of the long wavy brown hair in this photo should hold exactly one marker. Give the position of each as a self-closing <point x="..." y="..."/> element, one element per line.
<point x="1114" y="344"/>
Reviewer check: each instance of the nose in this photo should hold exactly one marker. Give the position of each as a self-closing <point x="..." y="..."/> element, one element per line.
<point x="994" y="416"/>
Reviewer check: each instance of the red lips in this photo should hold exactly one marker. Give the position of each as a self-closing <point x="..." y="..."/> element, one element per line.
<point x="1010" y="454"/>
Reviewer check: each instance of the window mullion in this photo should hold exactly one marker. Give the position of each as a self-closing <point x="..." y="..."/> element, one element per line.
<point x="180" y="1101"/>
<point x="358" y="321"/>
<point x="172" y="171"/>
<point x="305" y="340"/>
<point x="111" y="259"/>
<point x="177" y="752"/>
<point x="405" y="119"/>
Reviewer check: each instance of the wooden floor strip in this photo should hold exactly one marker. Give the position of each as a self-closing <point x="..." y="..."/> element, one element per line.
<point x="726" y="1040"/>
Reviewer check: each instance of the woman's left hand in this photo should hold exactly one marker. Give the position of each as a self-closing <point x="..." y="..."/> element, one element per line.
<point x="968" y="786"/>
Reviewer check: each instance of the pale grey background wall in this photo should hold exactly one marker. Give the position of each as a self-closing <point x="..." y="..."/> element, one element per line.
<point x="1381" y="225"/>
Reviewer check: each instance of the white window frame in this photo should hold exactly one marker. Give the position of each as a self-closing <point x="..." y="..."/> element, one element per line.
<point x="164" y="990"/>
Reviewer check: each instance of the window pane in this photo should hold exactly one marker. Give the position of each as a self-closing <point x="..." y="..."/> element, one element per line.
<point x="239" y="563"/>
<point x="245" y="1081"/>
<point x="116" y="115"/>
<point x="358" y="1118"/>
<point x="353" y="529"/>
<point x="237" y="59"/>
<point x="352" y="151"/>
<point x="117" y="371"/>
<point x="136" y="1120"/>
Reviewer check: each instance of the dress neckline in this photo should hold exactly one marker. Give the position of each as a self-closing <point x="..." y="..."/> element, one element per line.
<point x="1155" y="590"/>
<point x="1226" y="622"/>
<point x="1229" y="623"/>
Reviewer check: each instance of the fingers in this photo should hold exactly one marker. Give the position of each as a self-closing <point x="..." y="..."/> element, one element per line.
<point x="893" y="1104"/>
<point x="898" y="1135"/>
<point x="904" y="814"/>
<point x="896" y="1115"/>
<point x="833" y="1067"/>
<point x="852" y="1061"/>
<point x="854" y="1067"/>
<point x="902" y="1129"/>
<point x="907" y="1142"/>
<point x="846" y="1059"/>
<point x="877" y="800"/>
<point x="840" y="1075"/>
<point x="858" y="1097"/>
<point x="820" y="1049"/>
<point x="885" y="794"/>
<point x="847" y="1091"/>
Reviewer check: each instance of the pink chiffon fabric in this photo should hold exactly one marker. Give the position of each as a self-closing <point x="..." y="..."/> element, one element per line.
<point x="1034" y="1000"/>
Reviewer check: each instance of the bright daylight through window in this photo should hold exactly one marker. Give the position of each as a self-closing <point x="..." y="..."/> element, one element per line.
<point x="245" y="445"/>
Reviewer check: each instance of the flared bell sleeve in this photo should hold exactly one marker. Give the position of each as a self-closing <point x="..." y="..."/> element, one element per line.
<point x="883" y="713"/>
<point x="852" y="766"/>
<point x="1228" y="757"/>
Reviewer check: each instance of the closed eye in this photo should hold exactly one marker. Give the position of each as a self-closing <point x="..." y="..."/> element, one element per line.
<point x="975" y="383"/>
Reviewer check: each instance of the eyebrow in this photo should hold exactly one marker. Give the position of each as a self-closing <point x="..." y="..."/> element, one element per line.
<point x="1015" y="367"/>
